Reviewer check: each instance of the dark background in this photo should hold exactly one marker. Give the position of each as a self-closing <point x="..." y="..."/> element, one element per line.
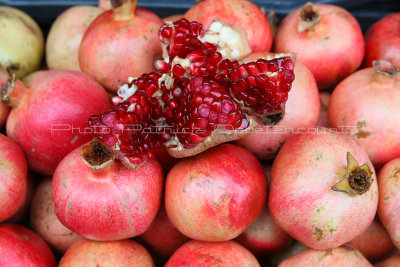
<point x="366" y="11"/>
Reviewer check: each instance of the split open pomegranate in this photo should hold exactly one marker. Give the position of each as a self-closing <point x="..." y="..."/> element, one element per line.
<point x="197" y="98"/>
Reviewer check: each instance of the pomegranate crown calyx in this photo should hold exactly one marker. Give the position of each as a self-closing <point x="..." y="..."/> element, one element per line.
<point x="357" y="180"/>
<point x="96" y="155"/>
<point x="309" y="16"/>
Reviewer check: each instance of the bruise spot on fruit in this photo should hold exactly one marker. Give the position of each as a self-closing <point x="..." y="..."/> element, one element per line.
<point x="318" y="155"/>
<point x="74" y="139"/>
<point x="386" y="198"/>
<point x="327" y="38"/>
<point x="395" y="174"/>
<point x="361" y="131"/>
<point x="33" y="149"/>
<point x="317" y="233"/>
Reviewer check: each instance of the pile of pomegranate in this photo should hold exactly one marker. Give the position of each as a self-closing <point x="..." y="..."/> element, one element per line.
<point x="187" y="141"/>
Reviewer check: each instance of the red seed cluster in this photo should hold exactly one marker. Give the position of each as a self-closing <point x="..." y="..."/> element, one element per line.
<point x="192" y="96"/>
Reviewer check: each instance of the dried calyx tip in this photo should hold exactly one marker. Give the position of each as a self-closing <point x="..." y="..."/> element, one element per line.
<point x="308" y="16"/>
<point x="385" y="67"/>
<point x="357" y="180"/>
<point x="96" y="155"/>
<point x="7" y="89"/>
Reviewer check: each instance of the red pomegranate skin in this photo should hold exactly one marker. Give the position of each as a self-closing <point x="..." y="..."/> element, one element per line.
<point x="382" y="40"/>
<point x="323" y="119"/>
<point x="52" y="114"/>
<point x="264" y="235"/>
<point x="20" y="246"/>
<point x="392" y="261"/>
<point x="122" y="253"/>
<point x="209" y="254"/>
<point x="13" y="177"/>
<point x="217" y="194"/>
<point x="341" y="256"/>
<point x="162" y="237"/>
<point x="375" y="244"/>
<point x="109" y="204"/>
<point x="173" y="17"/>
<point x="44" y="221"/>
<point x="4" y="110"/>
<point x="301" y="111"/>
<point x="332" y="49"/>
<point x="389" y="199"/>
<point x="239" y="13"/>
<point x="109" y="50"/>
<point x="360" y="103"/>
<point x="301" y="200"/>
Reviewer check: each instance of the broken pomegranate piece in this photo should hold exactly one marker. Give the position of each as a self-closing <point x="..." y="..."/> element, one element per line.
<point x="197" y="99"/>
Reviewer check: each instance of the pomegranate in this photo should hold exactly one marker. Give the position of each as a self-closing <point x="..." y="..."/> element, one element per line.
<point x="392" y="261"/>
<point x="316" y="196"/>
<point x="375" y="244"/>
<point x="216" y="195"/>
<point x="358" y="105"/>
<point x="65" y="36"/>
<point x="197" y="100"/>
<point x="264" y="235"/>
<point x="122" y="253"/>
<point x="341" y="256"/>
<point x="44" y="221"/>
<point x="13" y="177"/>
<point x="326" y="38"/>
<point x="21" y="46"/>
<point x="323" y="119"/>
<point x="239" y="27"/>
<point x="389" y="184"/>
<point x="98" y="198"/>
<point x="199" y="253"/>
<point x="173" y="17"/>
<point x="4" y="109"/>
<point x="162" y="237"/>
<point x="120" y="43"/>
<point x="382" y="41"/>
<point x="22" y="247"/>
<point x="301" y="111"/>
<point x="48" y="114"/>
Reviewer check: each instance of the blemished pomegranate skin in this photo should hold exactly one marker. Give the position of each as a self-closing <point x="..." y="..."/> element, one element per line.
<point x="22" y="247"/>
<point x="116" y="47"/>
<point x="341" y="256"/>
<point x="382" y="41"/>
<point x="375" y="243"/>
<point x="332" y="47"/>
<point x="239" y="13"/>
<point x="301" y="111"/>
<point x="216" y="195"/>
<point x="121" y="253"/>
<point x="304" y="199"/>
<point x="212" y="254"/>
<point x="49" y="113"/>
<point x="389" y="184"/>
<point x="360" y="102"/>
<point x="13" y="177"/>
<point x="109" y="203"/>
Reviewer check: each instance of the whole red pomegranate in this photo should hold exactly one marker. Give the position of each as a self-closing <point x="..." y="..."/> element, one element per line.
<point x="197" y="100"/>
<point x="199" y="253"/>
<point x="341" y="256"/>
<point x="122" y="253"/>
<point x="382" y="41"/>
<point x="359" y="104"/>
<point x="4" y="110"/>
<point x="375" y="243"/>
<point x="44" y="221"/>
<point x="120" y="43"/>
<point x="13" y="177"/>
<point x="65" y="36"/>
<point x="321" y="183"/>
<point x="239" y="27"/>
<point x="20" y="246"/>
<point x="326" y="38"/>
<point x="392" y="261"/>
<point x="162" y="237"/>
<point x="49" y="112"/>
<point x="263" y="235"/>
<point x="389" y="184"/>
<point x="301" y="111"/>
<point x="323" y="119"/>
<point x="98" y="198"/>
<point x="216" y="195"/>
